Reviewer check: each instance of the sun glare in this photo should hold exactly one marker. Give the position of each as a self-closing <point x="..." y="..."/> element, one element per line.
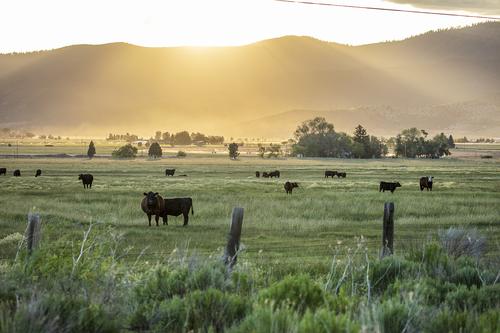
<point x="55" y="23"/>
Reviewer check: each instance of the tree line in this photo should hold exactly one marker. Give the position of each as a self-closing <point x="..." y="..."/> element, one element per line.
<point x="318" y="138"/>
<point x="184" y="138"/>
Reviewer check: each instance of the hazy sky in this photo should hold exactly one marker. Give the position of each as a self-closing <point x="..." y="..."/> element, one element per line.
<point x="44" y="24"/>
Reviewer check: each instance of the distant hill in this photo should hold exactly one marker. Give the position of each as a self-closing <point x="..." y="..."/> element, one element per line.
<point x="472" y="118"/>
<point x="442" y="79"/>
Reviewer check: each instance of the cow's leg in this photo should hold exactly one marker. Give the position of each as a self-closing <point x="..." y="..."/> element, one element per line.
<point x="90" y="185"/>
<point x="157" y="218"/>
<point x="165" y="220"/>
<point x="186" y="218"/>
<point x="149" y="219"/>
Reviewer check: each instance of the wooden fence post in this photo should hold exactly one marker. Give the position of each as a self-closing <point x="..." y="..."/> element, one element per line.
<point x="33" y="232"/>
<point x="388" y="230"/>
<point x="233" y="239"/>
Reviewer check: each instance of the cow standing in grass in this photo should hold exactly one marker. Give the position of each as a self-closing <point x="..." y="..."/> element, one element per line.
<point x="86" y="179"/>
<point x="385" y="186"/>
<point x="176" y="207"/>
<point x="426" y="182"/>
<point x="17" y="173"/>
<point x="169" y="172"/>
<point x="290" y="186"/>
<point x="38" y="173"/>
<point x="153" y="204"/>
<point x="273" y="174"/>
<point x="341" y="175"/>
<point x="3" y="171"/>
<point x="329" y="173"/>
<point x="257" y="174"/>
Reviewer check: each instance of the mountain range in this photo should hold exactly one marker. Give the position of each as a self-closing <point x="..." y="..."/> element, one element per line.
<point x="446" y="80"/>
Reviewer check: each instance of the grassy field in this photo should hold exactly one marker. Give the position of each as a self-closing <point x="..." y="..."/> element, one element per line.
<point x="301" y="228"/>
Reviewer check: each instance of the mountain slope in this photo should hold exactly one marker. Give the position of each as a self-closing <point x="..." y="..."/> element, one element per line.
<point x="88" y="89"/>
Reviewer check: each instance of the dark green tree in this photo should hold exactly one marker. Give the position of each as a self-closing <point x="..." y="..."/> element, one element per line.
<point x="233" y="151"/>
<point x="451" y="142"/>
<point x="91" y="150"/>
<point x="182" y="138"/>
<point x="317" y="138"/>
<point x="127" y="151"/>
<point x="362" y="140"/>
<point x="155" y="150"/>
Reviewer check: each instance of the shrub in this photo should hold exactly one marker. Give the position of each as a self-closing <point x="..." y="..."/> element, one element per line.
<point x="60" y="313"/>
<point x="446" y="321"/>
<point x="387" y="270"/>
<point x="181" y="153"/>
<point x="214" y="309"/>
<point x="266" y="319"/>
<point x="171" y="316"/>
<point x="393" y="316"/>
<point x="463" y="298"/>
<point x="298" y="292"/>
<point x="327" y="322"/>
<point x="459" y="242"/>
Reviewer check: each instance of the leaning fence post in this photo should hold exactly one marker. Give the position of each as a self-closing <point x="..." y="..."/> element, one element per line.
<point x="233" y="239"/>
<point x="388" y="230"/>
<point x="33" y="232"/>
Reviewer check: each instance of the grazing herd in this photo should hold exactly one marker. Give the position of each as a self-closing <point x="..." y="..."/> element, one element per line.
<point x="154" y="205"/>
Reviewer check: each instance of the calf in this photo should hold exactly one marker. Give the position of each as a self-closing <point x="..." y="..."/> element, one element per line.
<point x="341" y="175"/>
<point x="290" y="186"/>
<point x="153" y="204"/>
<point x="17" y="173"/>
<point x="257" y="174"/>
<point x="38" y="173"/>
<point x="176" y="207"/>
<point x="426" y="182"/>
<point x="3" y="171"/>
<point x="330" y="173"/>
<point x="388" y="186"/>
<point x="169" y="172"/>
<point x="86" y="179"/>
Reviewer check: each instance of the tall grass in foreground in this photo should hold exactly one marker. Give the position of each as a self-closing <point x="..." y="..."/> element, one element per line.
<point x="87" y="286"/>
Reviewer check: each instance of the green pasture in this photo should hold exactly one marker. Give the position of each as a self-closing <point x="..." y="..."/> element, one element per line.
<point x="304" y="228"/>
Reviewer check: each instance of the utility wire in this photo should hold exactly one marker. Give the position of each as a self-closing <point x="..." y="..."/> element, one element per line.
<point x="388" y="9"/>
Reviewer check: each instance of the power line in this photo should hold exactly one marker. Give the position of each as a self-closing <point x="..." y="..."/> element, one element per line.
<point x="425" y="12"/>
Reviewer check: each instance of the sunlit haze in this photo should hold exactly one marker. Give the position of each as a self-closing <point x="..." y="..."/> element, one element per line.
<point x="36" y="25"/>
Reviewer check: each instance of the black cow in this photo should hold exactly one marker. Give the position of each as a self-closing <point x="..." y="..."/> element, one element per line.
<point x="153" y="204"/>
<point x="86" y="179"/>
<point x="275" y="173"/>
<point x="38" y="173"/>
<point x="388" y="186"/>
<point x="169" y="172"/>
<point x="3" y="171"/>
<point x="341" y="174"/>
<point x="176" y="207"/>
<point x="426" y="182"/>
<point x="330" y="173"/>
<point x="265" y="175"/>
<point x="290" y="186"/>
<point x="17" y="173"/>
<point x="257" y="174"/>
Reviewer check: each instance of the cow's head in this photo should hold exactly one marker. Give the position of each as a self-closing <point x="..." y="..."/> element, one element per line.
<point x="430" y="178"/>
<point x="151" y="198"/>
<point x="398" y="184"/>
<point x="80" y="176"/>
<point x="295" y="185"/>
